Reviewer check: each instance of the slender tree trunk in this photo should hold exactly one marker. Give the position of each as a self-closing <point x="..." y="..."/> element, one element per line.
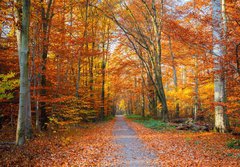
<point x="157" y="24"/>
<point x="23" y="17"/>
<point x="43" y="82"/>
<point x="221" y="123"/>
<point x="91" y="63"/>
<point x="78" y="76"/>
<point x="28" y="123"/>
<point x="103" y="84"/>
<point x="196" y="85"/>
<point x="104" y="63"/>
<point x="143" y="96"/>
<point x="85" y="48"/>
<point x="184" y="76"/>
<point x="35" y="74"/>
<point x="151" y="97"/>
<point x="44" y="119"/>
<point x="174" y="77"/>
<point x="37" y="104"/>
<point x="46" y="27"/>
<point x="91" y="77"/>
<point x="196" y="82"/>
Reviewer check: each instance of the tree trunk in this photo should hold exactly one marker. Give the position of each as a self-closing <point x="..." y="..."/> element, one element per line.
<point x="43" y="116"/>
<point x="196" y="96"/>
<point x="151" y="98"/>
<point x="157" y="56"/>
<point x="221" y="123"/>
<point x="78" y="76"/>
<point x="103" y="86"/>
<point x="46" y="27"/>
<point x="35" y="75"/>
<point x="104" y="63"/>
<point x="143" y="96"/>
<point x="23" y="39"/>
<point x="37" y="103"/>
<point x="91" y="77"/>
<point x="184" y="76"/>
<point x="28" y="123"/>
<point x="174" y="77"/>
<point x="196" y="82"/>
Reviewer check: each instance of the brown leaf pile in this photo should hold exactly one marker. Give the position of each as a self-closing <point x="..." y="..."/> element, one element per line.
<point x="77" y="147"/>
<point x="189" y="149"/>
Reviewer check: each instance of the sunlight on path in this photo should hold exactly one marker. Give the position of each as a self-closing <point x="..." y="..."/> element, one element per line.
<point x="132" y="151"/>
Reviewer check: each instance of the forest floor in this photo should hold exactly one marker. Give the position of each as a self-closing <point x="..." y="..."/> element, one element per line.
<point x="122" y="142"/>
<point x="186" y="148"/>
<point x="81" y="146"/>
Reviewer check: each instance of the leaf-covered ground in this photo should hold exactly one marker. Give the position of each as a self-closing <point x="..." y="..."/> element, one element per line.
<point x="176" y="148"/>
<point x="106" y="144"/>
<point x="77" y="147"/>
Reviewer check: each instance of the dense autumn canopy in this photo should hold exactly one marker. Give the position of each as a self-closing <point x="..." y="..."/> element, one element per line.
<point x="68" y="63"/>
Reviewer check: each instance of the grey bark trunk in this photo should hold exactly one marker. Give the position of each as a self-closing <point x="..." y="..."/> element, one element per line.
<point x="23" y="38"/>
<point x="28" y="123"/>
<point x="196" y="85"/>
<point x="221" y="123"/>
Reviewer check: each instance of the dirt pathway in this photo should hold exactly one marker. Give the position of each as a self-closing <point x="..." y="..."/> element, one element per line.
<point x="132" y="151"/>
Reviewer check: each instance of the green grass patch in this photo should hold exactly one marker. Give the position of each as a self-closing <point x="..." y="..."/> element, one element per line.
<point x="108" y="118"/>
<point x="135" y="117"/>
<point x="233" y="143"/>
<point x="197" y="142"/>
<point x="230" y="154"/>
<point x="151" y="123"/>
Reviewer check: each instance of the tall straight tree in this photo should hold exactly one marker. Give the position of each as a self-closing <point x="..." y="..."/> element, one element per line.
<point x="221" y="123"/>
<point x="46" y="14"/>
<point x="105" y="50"/>
<point x="175" y="79"/>
<point x="22" y="32"/>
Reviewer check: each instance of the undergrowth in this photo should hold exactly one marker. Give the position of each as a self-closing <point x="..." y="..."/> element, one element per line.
<point x="151" y="123"/>
<point x="108" y="118"/>
<point x="233" y="143"/>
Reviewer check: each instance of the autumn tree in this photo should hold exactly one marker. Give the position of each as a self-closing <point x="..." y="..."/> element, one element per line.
<point x="221" y="122"/>
<point x="22" y="33"/>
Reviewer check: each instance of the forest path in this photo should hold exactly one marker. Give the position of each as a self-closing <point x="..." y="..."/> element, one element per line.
<point x="132" y="151"/>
